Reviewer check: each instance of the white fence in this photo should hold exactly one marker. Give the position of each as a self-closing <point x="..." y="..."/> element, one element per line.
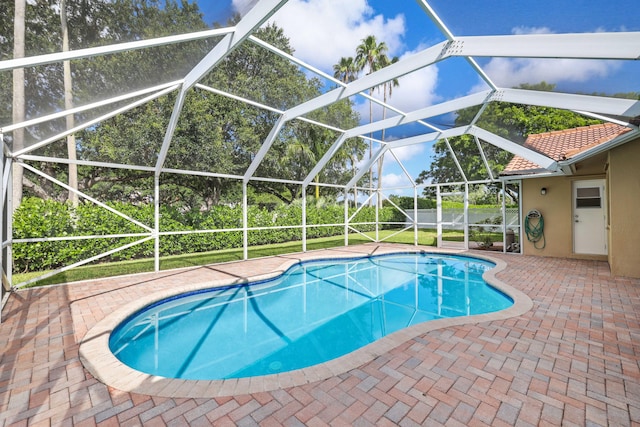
<point x="454" y="218"/>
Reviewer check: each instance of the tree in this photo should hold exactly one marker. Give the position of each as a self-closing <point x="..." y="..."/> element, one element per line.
<point x="511" y="121"/>
<point x="68" y="105"/>
<point x="346" y="70"/>
<point x="219" y="134"/>
<point x="368" y="54"/>
<point x="19" y="104"/>
<point x="258" y="75"/>
<point x="387" y="90"/>
<point x="320" y="139"/>
<point x="88" y="24"/>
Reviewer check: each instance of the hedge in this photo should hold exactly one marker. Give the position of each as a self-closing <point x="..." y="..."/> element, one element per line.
<point x="36" y="218"/>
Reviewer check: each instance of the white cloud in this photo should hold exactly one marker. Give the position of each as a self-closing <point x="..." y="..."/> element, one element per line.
<point x="531" y="30"/>
<point x="323" y="31"/>
<point x="512" y="72"/>
<point x="390" y="180"/>
<point x="416" y="90"/>
<point x="408" y="152"/>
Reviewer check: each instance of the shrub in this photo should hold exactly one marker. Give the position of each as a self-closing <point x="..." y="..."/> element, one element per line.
<point x="45" y="218"/>
<point x="42" y="218"/>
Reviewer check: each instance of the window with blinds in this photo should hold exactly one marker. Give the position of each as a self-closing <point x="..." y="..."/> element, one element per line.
<point x="588" y="197"/>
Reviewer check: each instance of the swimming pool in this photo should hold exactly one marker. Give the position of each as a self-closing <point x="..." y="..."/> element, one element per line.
<point x="316" y="311"/>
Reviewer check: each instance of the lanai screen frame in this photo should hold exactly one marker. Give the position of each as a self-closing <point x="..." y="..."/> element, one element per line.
<point x="609" y="46"/>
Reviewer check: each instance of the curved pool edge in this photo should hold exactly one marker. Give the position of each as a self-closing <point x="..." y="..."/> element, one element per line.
<point x="98" y="359"/>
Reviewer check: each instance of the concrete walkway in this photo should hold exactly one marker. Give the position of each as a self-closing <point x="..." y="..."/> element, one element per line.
<point x="574" y="359"/>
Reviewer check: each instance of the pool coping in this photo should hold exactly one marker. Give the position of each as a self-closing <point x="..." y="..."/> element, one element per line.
<point x="98" y="359"/>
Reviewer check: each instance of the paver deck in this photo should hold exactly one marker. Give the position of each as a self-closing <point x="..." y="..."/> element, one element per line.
<point x="573" y="359"/>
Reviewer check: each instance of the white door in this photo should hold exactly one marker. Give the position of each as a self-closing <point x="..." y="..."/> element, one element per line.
<point x="589" y="217"/>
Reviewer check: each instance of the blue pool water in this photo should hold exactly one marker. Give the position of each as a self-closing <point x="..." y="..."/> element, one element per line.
<point x="316" y="311"/>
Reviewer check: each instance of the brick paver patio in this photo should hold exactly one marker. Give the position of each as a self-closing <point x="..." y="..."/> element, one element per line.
<point x="574" y="359"/>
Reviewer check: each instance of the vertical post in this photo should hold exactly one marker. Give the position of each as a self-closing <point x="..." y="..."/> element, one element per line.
<point x="416" y="284"/>
<point x="415" y="215"/>
<point x="467" y="297"/>
<point x="466" y="216"/>
<point x="520" y="230"/>
<point x="440" y="282"/>
<point x="3" y="217"/>
<point x="304" y="288"/>
<point x="245" y="222"/>
<point x="346" y="217"/>
<point x="8" y="195"/>
<point x="504" y="217"/>
<point x="156" y="227"/>
<point x="377" y="216"/>
<point x="438" y="217"/>
<point x="304" y="218"/>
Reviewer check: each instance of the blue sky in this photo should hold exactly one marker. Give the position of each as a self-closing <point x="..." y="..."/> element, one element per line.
<point x="322" y="31"/>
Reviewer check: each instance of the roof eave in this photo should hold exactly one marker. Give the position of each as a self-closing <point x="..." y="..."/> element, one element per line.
<point x="598" y="149"/>
<point x="531" y="173"/>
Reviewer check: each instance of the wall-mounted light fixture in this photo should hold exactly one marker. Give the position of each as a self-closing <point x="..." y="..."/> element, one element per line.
<point x="543" y="190"/>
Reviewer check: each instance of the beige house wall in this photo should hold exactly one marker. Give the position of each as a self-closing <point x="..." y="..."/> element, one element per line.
<point x="624" y="209"/>
<point x="555" y="208"/>
<point x="621" y="168"/>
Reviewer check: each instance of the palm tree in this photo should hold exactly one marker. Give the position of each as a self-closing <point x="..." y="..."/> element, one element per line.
<point x="387" y="90"/>
<point x="368" y="54"/>
<point x="303" y="154"/>
<point x="346" y="70"/>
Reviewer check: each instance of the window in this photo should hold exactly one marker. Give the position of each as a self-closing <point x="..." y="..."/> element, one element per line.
<point x="588" y="197"/>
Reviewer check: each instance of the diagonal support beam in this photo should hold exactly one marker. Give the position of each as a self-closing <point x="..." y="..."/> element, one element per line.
<point x="259" y="14"/>
<point x="85" y="196"/>
<point x="514" y="148"/>
<point x="85" y="125"/>
<point x="455" y="160"/>
<point x="51" y="58"/>
<point x="405" y="66"/>
<point x="428" y="137"/>
<point x="266" y="145"/>
<point x="171" y="128"/>
<point x="484" y="158"/>
<point x="365" y="168"/>
<point x="596" y="104"/>
<point x="423" y="113"/>
<point x="487" y="136"/>
<point x="319" y="72"/>
<point x="60" y="114"/>
<point x="325" y="159"/>
<point x="406" y="172"/>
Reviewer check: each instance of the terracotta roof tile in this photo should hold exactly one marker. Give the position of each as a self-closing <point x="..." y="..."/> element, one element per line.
<point x="563" y="144"/>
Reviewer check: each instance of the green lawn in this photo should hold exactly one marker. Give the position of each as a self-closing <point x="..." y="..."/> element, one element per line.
<point x="96" y="271"/>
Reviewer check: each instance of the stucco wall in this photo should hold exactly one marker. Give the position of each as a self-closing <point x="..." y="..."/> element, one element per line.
<point x="624" y="209"/>
<point x="557" y="210"/>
